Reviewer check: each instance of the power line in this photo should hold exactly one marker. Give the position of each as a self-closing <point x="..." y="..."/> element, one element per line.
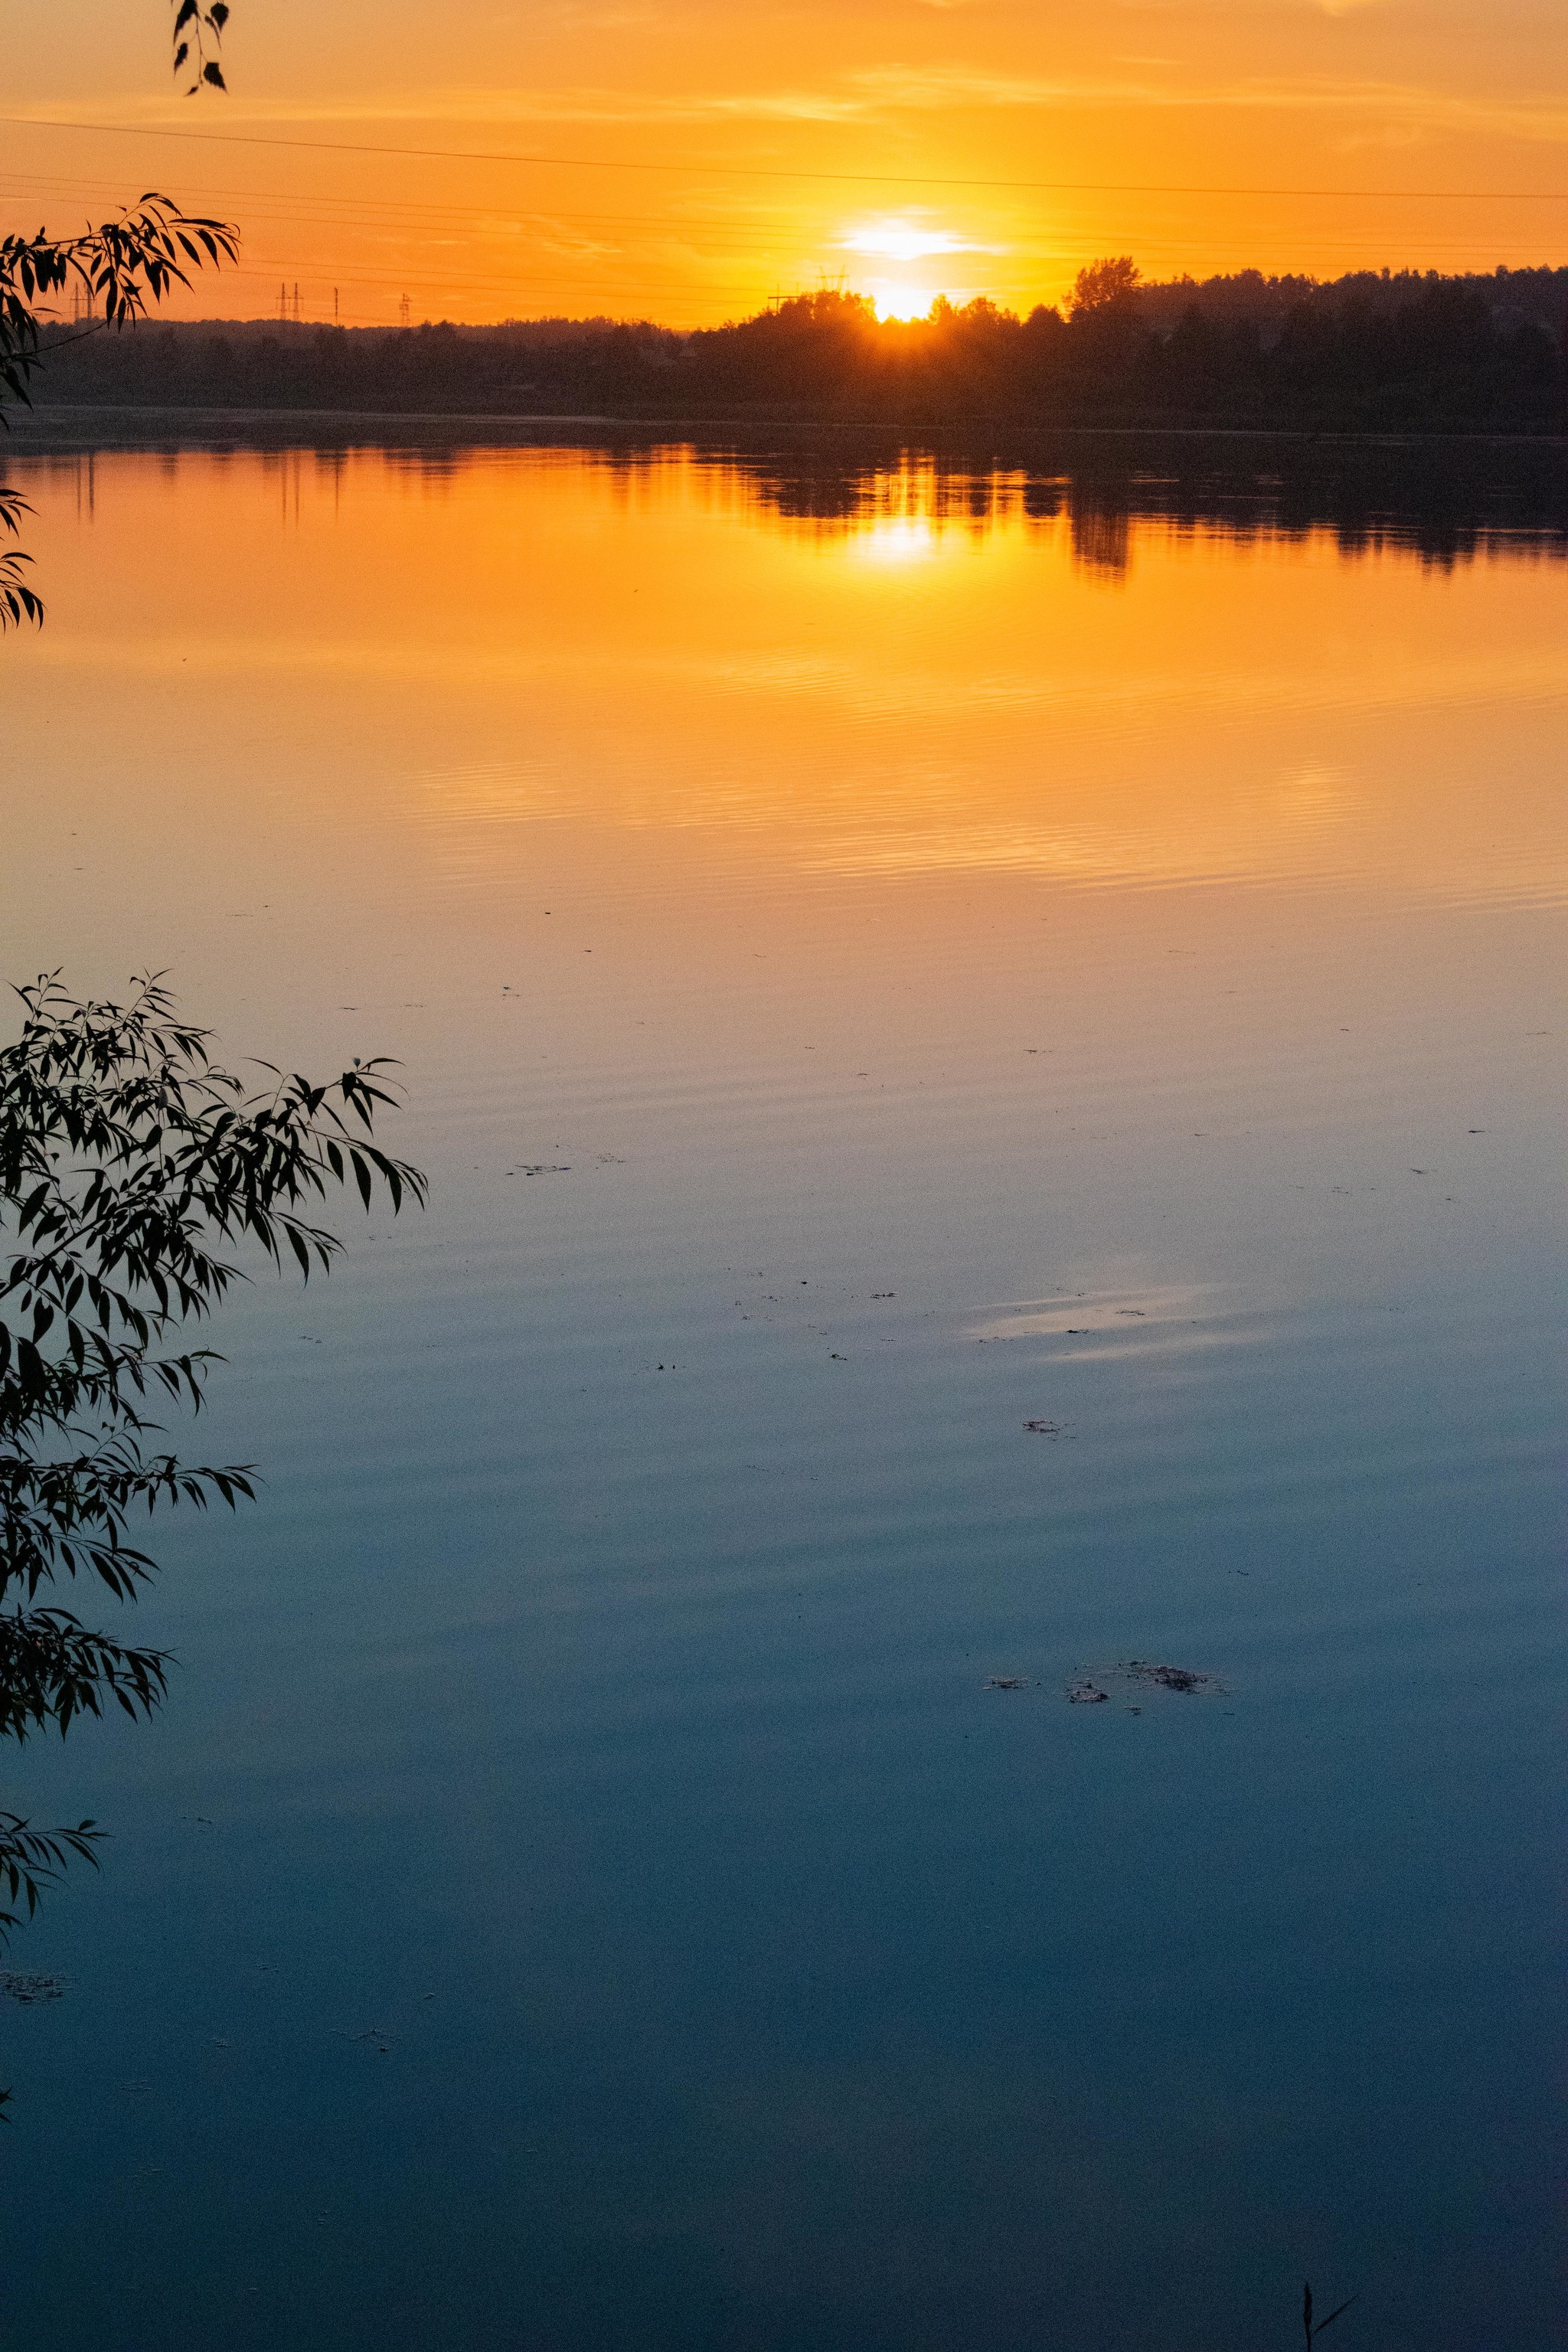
<point x="712" y="239"/>
<point x="368" y="212"/>
<point x="717" y="237"/>
<point x="779" y="171"/>
<point x="384" y="209"/>
<point x="627" y="278"/>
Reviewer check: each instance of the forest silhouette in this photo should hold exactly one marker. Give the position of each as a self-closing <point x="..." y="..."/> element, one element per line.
<point x="1406" y="353"/>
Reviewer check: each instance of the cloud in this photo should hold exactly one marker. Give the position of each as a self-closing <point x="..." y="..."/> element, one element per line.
<point x="879" y="90"/>
<point x="903" y="241"/>
<point x="483" y="105"/>
<point x="877" y="93"/>
<point x="1256" y="8"/>
<point x="898" y="88"/>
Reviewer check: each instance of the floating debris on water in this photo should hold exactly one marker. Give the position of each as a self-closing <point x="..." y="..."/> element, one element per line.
<point x="1085" y="1691"/>
<point x="1173" y="1678"/>
<point x="27" y="1985"/>
<point x="1008" y="1681"/>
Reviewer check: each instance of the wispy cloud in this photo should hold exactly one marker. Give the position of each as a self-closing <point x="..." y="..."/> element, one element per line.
<point x="905" y="240"/>
<point x="1256" y="8"/>
<point x="883" y="92"/>
<point x="490" y="107"/>
<point x="897" y="88"/>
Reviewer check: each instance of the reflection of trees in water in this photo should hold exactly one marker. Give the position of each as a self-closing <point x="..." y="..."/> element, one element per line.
<point x="1445" y="506"/>
<point x="1445" y="502"/>
<point x="1100" y="528"/>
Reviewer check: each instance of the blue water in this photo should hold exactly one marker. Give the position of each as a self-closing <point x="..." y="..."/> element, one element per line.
<point x="580" y="1893"/>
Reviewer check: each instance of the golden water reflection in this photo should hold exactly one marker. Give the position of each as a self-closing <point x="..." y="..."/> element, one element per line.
<point x="793" y="664"/>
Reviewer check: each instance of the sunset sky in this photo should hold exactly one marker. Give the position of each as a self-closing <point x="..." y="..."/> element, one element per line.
<point x="685" y="161"/>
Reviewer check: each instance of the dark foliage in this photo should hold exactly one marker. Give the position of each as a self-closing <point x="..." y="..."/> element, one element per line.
<point x="199" y="37"/>
<point x="1110" y="284"/>
<point x="115" y="269"/>
<point x="130" y="1169"/>
<point x="1388" y="354"/>
<point x="118" y="268"/>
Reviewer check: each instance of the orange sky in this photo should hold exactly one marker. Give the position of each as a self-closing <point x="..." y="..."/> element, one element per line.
<point x="709" y="153"/>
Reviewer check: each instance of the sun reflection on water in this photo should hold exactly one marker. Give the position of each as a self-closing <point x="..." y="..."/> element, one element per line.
<point x="898" y="538"/>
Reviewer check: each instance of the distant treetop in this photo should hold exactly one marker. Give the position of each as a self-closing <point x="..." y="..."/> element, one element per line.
<point x="1104" y="285"/>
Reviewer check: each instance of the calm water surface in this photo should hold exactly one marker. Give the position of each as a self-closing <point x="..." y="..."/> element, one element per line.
<point x="874" y="969"/>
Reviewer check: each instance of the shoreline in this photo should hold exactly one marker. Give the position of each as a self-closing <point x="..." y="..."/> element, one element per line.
<point x="92" y="427"/>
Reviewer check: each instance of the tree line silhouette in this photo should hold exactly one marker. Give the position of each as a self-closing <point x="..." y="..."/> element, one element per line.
<point x="1390" y="352"/>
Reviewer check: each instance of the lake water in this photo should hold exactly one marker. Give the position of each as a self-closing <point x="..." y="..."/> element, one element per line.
<point x="885" y="951"/>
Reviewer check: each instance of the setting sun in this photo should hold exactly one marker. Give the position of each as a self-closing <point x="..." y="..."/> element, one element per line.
<point x="592" y="161"/>
<point x="894" y="301"/>
<point x="903" y="241"/>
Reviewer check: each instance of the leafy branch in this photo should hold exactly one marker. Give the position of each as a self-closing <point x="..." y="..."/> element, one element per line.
<point x="198" y="36"/>
<point x="131" y="1169"/>
<point x="120" y="265"/>
<point x="55" y="1516"/>
<point x="32" y="1859"/>
<point x="18" y="600"/>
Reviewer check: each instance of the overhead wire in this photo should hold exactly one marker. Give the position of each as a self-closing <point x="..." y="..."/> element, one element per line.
<point x="383" y="211"/>
<point x="701" y="240"/>
<point x="781" y="172"/>
<point x="372" y="213"/>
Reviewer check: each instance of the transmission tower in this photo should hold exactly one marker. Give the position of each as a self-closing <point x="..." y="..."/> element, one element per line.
<point x="404" y="312"/>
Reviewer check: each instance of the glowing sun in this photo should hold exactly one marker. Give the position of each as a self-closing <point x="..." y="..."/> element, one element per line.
<point x="906" y="241"/>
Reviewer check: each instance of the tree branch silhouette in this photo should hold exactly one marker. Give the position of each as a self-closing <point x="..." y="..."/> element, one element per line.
<point x="132" y="1167"/>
